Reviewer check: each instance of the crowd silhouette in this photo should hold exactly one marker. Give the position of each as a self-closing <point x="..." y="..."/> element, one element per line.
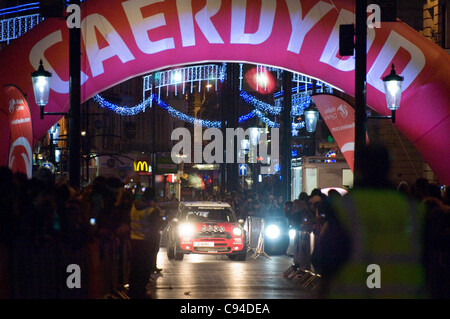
<point x="45" y="226"/>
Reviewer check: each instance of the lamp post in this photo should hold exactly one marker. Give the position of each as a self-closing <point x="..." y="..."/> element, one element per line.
<point x="41" y="80"/>
<point x="41" y="86"/>
<point x="393" y="89"/>
<point x="392" y="83"/>
<point x="75" y="104"/>
<point x="311" y="116"/>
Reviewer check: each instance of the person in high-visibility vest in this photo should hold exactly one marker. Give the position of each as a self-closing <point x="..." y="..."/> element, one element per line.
<point x="384" y="228"/>
<point x="142" y="243"/>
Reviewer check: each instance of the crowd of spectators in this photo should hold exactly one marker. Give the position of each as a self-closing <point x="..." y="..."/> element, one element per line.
<point x="45" y="226"/>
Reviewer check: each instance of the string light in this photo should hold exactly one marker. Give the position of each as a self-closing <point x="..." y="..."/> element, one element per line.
<point x="129" y="111"/>
<point x="247" y="116"/>
<point x="184" y="117"/>
<point x="260" y="105"/>
<point x="298" y="126"/>
<point x="266" y="120"/>
<point x="123" y="110"/>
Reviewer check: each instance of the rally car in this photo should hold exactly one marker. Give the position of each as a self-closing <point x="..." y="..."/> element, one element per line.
<point x="206" y="228"/>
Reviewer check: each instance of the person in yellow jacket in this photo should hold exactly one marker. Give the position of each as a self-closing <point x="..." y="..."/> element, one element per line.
<point x="143" y="228"/>
<point x="380" y="236"/>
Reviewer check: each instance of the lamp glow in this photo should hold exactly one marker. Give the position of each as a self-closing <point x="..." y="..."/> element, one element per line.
<point x="41" y="80"/>
<point x="311" y="117"/>
<point x="393" y="89"/>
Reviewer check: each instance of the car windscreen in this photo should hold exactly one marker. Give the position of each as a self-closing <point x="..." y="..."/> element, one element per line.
<point x="208" y="214"/>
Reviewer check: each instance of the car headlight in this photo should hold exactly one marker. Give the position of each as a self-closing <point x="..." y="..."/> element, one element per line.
<point x="237" y="231"/>
<point x="292" y="233"/>
<point x="273" y="231"/>
<point x="186" y="230"/>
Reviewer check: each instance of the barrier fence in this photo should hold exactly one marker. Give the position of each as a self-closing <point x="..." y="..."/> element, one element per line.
<point x="302" y="272"/>
<point x="33" y="269"/>
<point x="254" y="226"/>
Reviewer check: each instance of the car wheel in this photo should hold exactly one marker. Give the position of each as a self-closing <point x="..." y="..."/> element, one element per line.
<point x="242" y="256"/>
<point x="177" y="255"/>
<point x="170" y="251"/>
<point x="232" y="257"/>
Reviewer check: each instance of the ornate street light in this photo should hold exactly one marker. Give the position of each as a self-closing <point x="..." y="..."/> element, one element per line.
<point x="393" y="90"/>
<point x="41" y="86"/>
<point x="311" y="116"/>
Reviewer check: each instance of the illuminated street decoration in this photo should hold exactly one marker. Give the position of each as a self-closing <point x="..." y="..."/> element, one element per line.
<point x="13" y="28"/>
<point x="184" y="117"/>
<point x="123" y="110"/>
<point x="209" y="73"/>
<point x="260" y="105"/>
<point x="247" y="116"/>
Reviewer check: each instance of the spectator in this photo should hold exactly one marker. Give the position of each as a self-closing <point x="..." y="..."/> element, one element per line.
<point x="446" y="196"/>
<point x="403" y="187"/>
<point x="419" y="189"/>
<point x="142" y="244"/>
<point x="434" y="190"/>
<point x="296" y="213"/>
<point x="287" y="208"/>
<point x="303" y="196"/>
<point x="374" y="208"/>
<point x="436" y="255"/>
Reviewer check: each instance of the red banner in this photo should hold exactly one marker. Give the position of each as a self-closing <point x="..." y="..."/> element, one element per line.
<point x="340" y="119"/>
<point x="20" y="157"/>
<point x="125" y="39"/>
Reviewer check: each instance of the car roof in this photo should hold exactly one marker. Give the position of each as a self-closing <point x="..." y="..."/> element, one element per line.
<point x="205" y="203"/>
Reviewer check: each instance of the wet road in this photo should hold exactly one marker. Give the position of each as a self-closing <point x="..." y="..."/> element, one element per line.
<point x="217" y="277"/>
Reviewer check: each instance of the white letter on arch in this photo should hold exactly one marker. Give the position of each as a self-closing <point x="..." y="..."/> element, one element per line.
<point x="37" y="54"/>
<point x="266" y="19"/>
<point x="140" y="26"/>
<point x="203" y="19"/>
<point x="394" y="42"/>
<point x="300" y="27"/>
<point x="329" y="55"/>
<point x="96" y="55"/>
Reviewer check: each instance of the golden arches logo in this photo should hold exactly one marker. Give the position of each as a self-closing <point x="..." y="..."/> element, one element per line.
<point x="142" y="166"/>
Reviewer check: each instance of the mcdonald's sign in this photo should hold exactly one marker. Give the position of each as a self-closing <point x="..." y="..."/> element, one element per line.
<point x="142" y="167"/>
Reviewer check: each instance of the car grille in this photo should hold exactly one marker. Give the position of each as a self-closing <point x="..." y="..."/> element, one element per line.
<point x="212" y="235"/>
<point x="212" y="249"/>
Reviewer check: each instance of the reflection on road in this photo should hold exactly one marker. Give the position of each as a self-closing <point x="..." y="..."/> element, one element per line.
<point x="217" y="277"/>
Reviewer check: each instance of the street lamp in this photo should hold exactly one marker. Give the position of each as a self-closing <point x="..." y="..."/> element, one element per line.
<point x="393" y="89"/>
<point x="41" y="80"/>
<point x="41" y="86"/>
<point x="311" y="116"/>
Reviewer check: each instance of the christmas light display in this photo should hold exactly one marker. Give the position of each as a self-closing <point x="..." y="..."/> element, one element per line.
<point x="184" y="117"/>
<point x="123" y="110"/>
<point x="260" y="105"/>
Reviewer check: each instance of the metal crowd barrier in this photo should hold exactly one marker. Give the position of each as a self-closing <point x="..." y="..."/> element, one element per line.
<point x="254" y="227"/>
<point x="38" y="271"/>
<point x="302" y="272"/>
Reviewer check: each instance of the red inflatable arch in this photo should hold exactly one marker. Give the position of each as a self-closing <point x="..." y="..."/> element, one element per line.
<point x="122" y="39"/>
